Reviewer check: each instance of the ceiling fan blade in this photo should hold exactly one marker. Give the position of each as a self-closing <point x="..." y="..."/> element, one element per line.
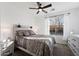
<point x="37" y="12"/>
<point x="38" y="3"/>
<point x="49" y="5"/>
<point x="44" y="11"/>
<point x="33" y="8"/>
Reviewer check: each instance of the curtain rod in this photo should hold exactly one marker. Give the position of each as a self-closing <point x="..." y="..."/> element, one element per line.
<point x="57" y="15"/>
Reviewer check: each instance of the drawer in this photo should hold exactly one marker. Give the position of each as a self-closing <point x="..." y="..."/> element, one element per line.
<point x="75" y="43"/>
<point x="5" y="53"/>
<point x="76" y="47"/>
<point x="8" y="50"/>
<point x="75" y="39"/>
<point x="73" y="49"/>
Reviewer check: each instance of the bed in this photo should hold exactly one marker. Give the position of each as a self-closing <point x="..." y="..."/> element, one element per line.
<point x="34" y="44"/>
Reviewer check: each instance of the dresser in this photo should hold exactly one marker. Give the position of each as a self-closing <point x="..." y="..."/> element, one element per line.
<point x="73" y="43"/>
<point x="8" y="50"/>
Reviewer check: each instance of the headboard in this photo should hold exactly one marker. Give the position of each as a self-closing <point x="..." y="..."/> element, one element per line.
<point x="20" y="27"/>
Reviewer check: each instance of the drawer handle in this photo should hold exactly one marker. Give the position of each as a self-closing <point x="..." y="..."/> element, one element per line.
<point x="74" y="39"/>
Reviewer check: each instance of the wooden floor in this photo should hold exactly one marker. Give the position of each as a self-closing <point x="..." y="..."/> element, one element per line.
<point x="59" y="50"/>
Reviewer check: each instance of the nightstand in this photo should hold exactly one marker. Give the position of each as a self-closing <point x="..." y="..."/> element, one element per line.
<point x="73" y="43"/>
<point x="9" y="49"/>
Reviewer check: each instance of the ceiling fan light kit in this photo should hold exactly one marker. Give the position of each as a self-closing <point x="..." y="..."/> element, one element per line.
<point x="40" y="9"/>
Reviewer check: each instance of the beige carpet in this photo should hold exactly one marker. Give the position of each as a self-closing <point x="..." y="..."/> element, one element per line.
<point x="62" y="50"/>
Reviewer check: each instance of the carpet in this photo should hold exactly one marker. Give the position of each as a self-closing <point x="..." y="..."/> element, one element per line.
<point x="59" y="50"/>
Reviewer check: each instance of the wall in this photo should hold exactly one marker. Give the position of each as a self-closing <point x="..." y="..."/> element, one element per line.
<point x="40" y="23"/>
<point x="17" y="13"/>
<point x="43" y="25"/>
<point x="71" y="22"/>
<point x="14" y="13"/>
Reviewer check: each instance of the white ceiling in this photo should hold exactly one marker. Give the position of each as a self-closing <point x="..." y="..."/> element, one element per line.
<point x="24" y="6"/>
<point x="59" y="6"/>
<point x="63" y="6"/>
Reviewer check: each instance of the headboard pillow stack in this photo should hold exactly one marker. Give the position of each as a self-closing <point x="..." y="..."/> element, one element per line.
<point x="24" y="33"/>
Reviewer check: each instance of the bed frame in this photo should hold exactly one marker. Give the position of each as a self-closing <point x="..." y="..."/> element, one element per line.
<point x="25" y="50"/>
<point x="22" y="28"/>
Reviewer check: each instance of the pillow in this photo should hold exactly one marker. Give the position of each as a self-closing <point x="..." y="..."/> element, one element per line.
<point x="23" y="33"/>
<point x="26" y="33"/>
<point x="19" y="33"/>
<point x="31" y="32"/>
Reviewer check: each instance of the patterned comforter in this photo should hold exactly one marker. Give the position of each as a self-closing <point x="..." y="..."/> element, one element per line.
<point x="41" y="45"/>
<point x="37" y="44"/>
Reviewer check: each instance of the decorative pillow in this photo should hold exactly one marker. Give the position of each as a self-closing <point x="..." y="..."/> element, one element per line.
<point x="26" y="33"/>
<point x="31" y="32"/>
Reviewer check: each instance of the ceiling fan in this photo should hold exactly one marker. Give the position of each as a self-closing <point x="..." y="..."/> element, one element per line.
<point x="40" y="8"/>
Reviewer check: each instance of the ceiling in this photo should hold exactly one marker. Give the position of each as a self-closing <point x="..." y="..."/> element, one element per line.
<point x="24" y="6"/>
<point x="58" y="6"/>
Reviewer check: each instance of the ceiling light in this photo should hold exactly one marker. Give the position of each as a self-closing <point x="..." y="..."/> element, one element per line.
<point x="40" y="9"/>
